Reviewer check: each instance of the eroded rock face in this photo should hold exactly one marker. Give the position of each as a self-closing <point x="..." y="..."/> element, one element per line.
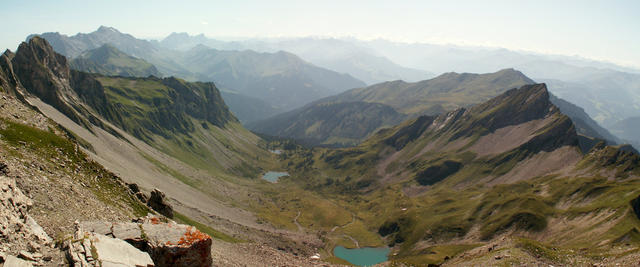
<point x="158" y="203"/>
<point x="168" y="243"/>
<point x="15" y="222"/>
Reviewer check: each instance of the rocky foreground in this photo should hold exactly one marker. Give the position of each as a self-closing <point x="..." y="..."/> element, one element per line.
<point x="149" y="241"/>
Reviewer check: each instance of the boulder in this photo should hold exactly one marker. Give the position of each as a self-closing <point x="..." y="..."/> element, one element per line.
<point x="158" y="203"/>
<point x="168" y="243"/>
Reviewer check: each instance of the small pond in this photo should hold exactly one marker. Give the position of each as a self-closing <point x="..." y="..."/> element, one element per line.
<point x="362" y="256"/>
<point x="273" y="176"/>
<point x="276" y="151"/>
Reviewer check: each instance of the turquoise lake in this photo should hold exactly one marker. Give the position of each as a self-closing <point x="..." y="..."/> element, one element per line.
<point x="273" y="176"/>
<point x="362" y="256"/>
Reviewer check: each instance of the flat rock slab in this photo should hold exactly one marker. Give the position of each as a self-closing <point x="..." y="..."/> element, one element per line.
<point x="117" y="252"/>
<point x="100" y="250"/>
<point x="12" y="261"/>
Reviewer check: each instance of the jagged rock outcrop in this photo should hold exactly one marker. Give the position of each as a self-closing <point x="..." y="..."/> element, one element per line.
<point x="20" y="234"/>
<point x="158" y="203"/>
<point x="168" y="243"/>
<point x="46" y="75"/>
<point x="135" y="190"/>
<point x="8" y="80"/>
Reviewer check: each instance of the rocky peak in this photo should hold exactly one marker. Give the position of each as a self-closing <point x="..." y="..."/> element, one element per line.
<point x="38" y="51"/>
<point x="7" y="53"/>
<point x="46" y="75"/>
<point x="516" y="106"/>
<point x="41" y="71"/>
<point x="106" y="29"/>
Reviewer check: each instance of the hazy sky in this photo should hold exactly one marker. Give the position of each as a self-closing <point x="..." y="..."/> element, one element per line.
<point x="607" y="30"/>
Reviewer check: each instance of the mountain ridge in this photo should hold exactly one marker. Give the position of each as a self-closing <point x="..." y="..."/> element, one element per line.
<point x="108" y="60"/>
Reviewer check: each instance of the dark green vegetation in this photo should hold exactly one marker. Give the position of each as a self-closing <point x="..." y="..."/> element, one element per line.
<point x="163" y="107"/>
<point x="437" y="173"/>
<point x="335" y="124"/>
<point x="108" y="60"/>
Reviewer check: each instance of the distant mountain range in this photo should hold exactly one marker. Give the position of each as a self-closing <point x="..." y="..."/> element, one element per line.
<point x="335" y="54"/>
<point x="322" y="122"/>
<point x="444" y="93"/>
<point x="282" y="80"/>
<point x="629" y="130"/>
<point x="606" y="91"/>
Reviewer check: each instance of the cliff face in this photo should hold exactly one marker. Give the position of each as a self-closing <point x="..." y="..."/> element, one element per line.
<point x="46" y="75"/>
<point x="41" y="72"/>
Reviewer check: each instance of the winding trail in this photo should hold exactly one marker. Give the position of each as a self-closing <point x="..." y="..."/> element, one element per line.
<point x="353" y="219"/>
<point x="295" y="221"/>
<point x="354" y="240"/>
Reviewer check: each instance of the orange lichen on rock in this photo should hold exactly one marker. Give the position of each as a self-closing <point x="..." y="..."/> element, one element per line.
<point x="192" y="235"/>
<point x="155" y="220"/>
